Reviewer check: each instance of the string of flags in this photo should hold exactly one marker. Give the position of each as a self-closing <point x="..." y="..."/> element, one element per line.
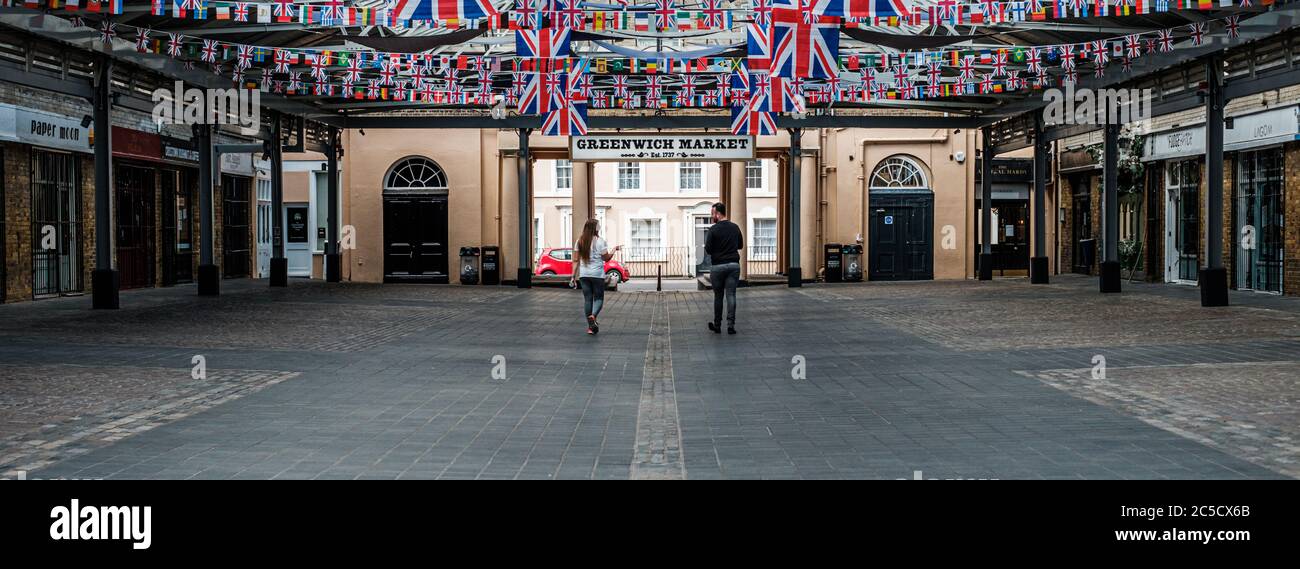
<point x="660" y="15"/>
<point x="792" y="59"/>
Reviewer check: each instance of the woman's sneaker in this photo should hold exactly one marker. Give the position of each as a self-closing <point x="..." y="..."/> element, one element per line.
<point x="593" y="327"/>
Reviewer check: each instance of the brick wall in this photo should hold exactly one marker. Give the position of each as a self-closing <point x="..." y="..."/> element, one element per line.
<point x="1229" y="240"/>
<point x="1291" y="254"/>
<point x="87" y="163"/>
<point x="18" y="223"/>
<point x="1065" y="228"/>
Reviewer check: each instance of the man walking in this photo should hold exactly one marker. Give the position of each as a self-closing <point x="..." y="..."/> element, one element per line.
<point x="723" y="244"/>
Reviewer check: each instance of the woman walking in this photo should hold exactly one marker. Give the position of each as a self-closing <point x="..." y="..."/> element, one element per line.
<point x="590" y="254"/>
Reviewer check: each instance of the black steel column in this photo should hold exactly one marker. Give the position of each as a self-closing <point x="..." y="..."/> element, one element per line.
<point x="1110" y="267"/>
<point x="986" y="207"/>
<point x="333" y="259"/>
<point x="209" y="273"/>
<point x="524" y="279"/>
<point x="104" y="280"/>
<point x="793" y="272"/>
<point x="279" y="264"/>
<point x="1214" y="277"/>
<point x="1038" y="265"/>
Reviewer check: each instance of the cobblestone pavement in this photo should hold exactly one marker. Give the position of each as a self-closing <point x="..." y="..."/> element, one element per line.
<point x="952" y="379"/>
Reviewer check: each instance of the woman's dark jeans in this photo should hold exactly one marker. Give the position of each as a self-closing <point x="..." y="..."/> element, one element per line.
<point x="593" y="295"/>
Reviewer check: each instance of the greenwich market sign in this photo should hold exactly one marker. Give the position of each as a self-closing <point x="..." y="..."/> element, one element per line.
<point x="647" y="147"/>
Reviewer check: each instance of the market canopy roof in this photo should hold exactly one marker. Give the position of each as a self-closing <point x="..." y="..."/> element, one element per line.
<point x="340" y="61"/>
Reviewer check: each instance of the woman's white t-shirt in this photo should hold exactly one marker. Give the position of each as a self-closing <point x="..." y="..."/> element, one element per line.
<point x="594" y="264"/>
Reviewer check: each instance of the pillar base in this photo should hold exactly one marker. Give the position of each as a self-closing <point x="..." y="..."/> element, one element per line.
<point x="794" y="276"/>
<point x="279" y="271"/>
<point x="1214" y="286"/>
<point x="524" y="278"/>
<point x="1110" y="277"/>
<point x="986" y="266"/>
<point x="209" y="280"/>
<point x="105" y="284"/>
<point x="333" y="267"/>
<point x="1038" y="271"/>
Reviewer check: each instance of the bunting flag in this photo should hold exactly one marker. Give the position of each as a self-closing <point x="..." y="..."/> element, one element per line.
<point x="570" y="119"/>
<point x="545" y="43"/>
<point x="858" y="8"/>
<point x="747" y="119"/>
<point x="759" y="38"/>
<point x="802" y="49"/>
<point x="442" y="10"/>
<point x="543" y="94"/>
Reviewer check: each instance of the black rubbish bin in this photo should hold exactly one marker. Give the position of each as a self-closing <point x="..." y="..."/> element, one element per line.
<point x="1088" y="254"/>
<point x="851" y="259"/>
<point x="491" y="262"/>
<point x="834" y="263"/>
<point x="469" y="265"/>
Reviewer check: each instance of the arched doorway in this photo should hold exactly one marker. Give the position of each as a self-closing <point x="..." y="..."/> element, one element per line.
<point x="415" y="222"/>
<point x="900" y="221"/>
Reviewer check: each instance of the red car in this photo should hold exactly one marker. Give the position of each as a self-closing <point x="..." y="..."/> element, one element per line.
<point x="557" y="261"/>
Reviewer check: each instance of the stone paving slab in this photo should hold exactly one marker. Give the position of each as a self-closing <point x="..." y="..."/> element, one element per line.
<point x="899" y="378"/>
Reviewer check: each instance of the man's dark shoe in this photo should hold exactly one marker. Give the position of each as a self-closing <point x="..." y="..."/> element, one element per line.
<point x="731" y="329"/>
<point x="714" y="327"/>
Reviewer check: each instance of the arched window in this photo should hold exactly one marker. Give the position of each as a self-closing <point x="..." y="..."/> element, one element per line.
<point x="899" y="172"/>
<point x="415" y="174"/>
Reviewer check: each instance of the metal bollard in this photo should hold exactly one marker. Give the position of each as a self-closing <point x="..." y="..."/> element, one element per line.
<point x="659" y="278"/>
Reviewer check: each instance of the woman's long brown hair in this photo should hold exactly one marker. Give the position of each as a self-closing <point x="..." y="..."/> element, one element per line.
<point x="584" y="242"/>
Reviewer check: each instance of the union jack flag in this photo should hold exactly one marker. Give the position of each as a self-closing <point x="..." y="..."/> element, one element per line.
<point x="174" y="44"/>
<point x="749" y="120"/>
<point x="968" y="67"/>
<point x="712" y="13"/>
<point x="804" y="50"/>
<point x="568" y="120"/>
<point x="142" y="40"/>
<point x="543" y="93"/>
<point x="740" y="85"/>
<point x="567" y="14"/>
<point x="527" y="13"/>
<point x="620" y="86"/>
<point x="443" y="10"/>
<point x="1165" y="39"/>
<point x="1197" y="30"/>
<point x="762" y="11"/>
<point x="664" y="16"/>
<point x="760" y="45"/>
<point x="241" y="11"/>
<point x="284" y="10"/>
<point x="209" y="54"/>
<point x="849" y="8"/>
<point x="688" y="85"/>
<point x="245" y="57"/>
<point x="545" y="43"/>
<point x="1233" y="26"/>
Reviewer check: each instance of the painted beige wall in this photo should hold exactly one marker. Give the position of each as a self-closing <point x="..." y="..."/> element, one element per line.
<point x="480" y="167"/>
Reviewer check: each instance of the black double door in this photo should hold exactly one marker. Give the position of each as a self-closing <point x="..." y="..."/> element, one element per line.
<point x="901" y="228"/>
<point x="415" y="239"/>
<point x="236" y="233"/>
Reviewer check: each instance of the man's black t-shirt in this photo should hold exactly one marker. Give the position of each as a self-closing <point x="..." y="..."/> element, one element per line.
<point x="723" y="243"/>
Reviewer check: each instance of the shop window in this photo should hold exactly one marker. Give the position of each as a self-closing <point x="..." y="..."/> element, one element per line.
<point x="690" y="176"/>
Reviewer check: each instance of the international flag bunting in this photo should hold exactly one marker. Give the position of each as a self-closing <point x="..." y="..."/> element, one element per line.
<point x="747" y="119"/>
<point x="442" y="10"/>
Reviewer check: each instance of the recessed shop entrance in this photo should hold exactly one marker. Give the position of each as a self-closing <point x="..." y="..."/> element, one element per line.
<point x="415" y="222"/>
<point x="135" y="225"/>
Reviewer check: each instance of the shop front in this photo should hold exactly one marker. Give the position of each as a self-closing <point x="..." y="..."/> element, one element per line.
<point x="1012" y="179"/>
<point x="1259" y="207"/>
<point x="237" y="249"/>
<point x="1079" y="174"/>
<point x="135" y="176"/>
<point x="178" y="183"/>
<point x="1179" y="157"/>
<point x="48" y="153"/>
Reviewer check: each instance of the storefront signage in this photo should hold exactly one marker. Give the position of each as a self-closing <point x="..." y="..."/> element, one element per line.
<point x="297" y="224"/>
<point x="39" y="128"/>
<point x="178" y="150"/>
<point x="1261" y="129"/>
<point x="1175" y="143"/>
<point x="237" y="164"/>
<point x="129" y="143"/>
<point x="652" y="147"/>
